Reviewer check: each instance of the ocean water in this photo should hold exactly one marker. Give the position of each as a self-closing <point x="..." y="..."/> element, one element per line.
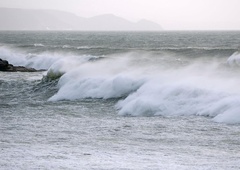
<point x="121" y="100"/>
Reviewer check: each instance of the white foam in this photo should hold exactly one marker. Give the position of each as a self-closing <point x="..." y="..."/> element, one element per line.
<point x="15" y="58"/>
<point x="152" y="85"/>
<point x="230" y="116"/>
<point x="234" y="59"/>
<point x="65" y="64"/>
<point x="155" y="99"/>
<point x="105" y="79"/>
<point x="153" y="88"/>
<point x="105" y="88"/>
<point x="191" y="93"/>
<point x="46" y="60"/>
<point x="38" y="45"/>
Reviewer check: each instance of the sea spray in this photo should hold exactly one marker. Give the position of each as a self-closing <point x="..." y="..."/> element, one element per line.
<point x="102" y="88"/>
<point x="12" y="55"/>
<point x="106" y="78"/>
<point x="234" y="59"/>
<point x="174" y="86"/>
<point x="63" y="65"/>
<point x="146" y="83"/>
<point x="22" y="58"/>
<point x="196" y="89"/>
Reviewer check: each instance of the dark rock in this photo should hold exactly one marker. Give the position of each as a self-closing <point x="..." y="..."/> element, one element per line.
<point x="5" y="66"/>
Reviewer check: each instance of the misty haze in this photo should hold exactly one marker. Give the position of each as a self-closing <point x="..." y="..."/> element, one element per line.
<point x="23" y="19"/>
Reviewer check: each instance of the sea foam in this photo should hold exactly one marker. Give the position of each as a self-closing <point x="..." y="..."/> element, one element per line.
<point x="145" y="85"/>
<point x="152" y="90"/>
<point x="234" y="59"/>
<point x="55" y="61"/>
<point x="107" y="78"/>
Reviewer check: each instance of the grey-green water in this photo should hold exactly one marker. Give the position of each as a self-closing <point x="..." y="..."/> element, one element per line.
<point x="126" y="100"/>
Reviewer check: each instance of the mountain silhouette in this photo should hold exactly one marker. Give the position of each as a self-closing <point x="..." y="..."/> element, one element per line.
<point x="28" y="19"/>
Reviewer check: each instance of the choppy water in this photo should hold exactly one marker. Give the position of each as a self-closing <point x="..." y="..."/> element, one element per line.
<point x="125" y="100"/>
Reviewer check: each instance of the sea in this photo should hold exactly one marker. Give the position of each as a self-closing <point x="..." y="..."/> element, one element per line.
<point x="166" y="100"/>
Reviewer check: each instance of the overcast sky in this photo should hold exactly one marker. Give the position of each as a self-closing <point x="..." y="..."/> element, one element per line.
<point x="170" y="14"/>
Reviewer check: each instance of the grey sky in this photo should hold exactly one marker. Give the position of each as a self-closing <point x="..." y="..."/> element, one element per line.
<point x="171" y="14"/>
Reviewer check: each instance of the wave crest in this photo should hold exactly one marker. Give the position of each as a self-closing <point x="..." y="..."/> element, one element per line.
<point x="175" y="100"/>
<point x="98" y="87"/>
<point x="151" y="85"/>
<point x="234" y="59"/>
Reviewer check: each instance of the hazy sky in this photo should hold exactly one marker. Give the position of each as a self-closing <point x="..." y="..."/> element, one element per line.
<point x="170" y="14"/>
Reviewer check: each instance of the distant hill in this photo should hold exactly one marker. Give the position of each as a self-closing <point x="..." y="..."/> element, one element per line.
<point x="26" y="19"/>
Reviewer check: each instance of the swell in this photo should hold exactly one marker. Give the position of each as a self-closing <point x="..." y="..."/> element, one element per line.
<point x="187" y="51"/>
<point x="195" y="52"/>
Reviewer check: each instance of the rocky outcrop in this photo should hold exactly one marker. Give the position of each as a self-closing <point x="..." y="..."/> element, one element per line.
<point x="5" y="66"/>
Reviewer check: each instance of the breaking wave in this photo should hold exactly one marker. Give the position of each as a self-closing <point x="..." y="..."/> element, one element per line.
<point x="146" y="87"/>
<point x="234" y="59"/>
<point x="144" y="84"/>
<point x="45" y="60"/>
<point x="38" y="45"/>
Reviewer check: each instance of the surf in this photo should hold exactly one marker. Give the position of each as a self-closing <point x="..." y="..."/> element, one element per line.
<point x="156" y="89"/>
<point x="144" y="83"/>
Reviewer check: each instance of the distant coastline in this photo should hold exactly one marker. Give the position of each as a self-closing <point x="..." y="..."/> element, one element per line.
<point x="44" y="20"/>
